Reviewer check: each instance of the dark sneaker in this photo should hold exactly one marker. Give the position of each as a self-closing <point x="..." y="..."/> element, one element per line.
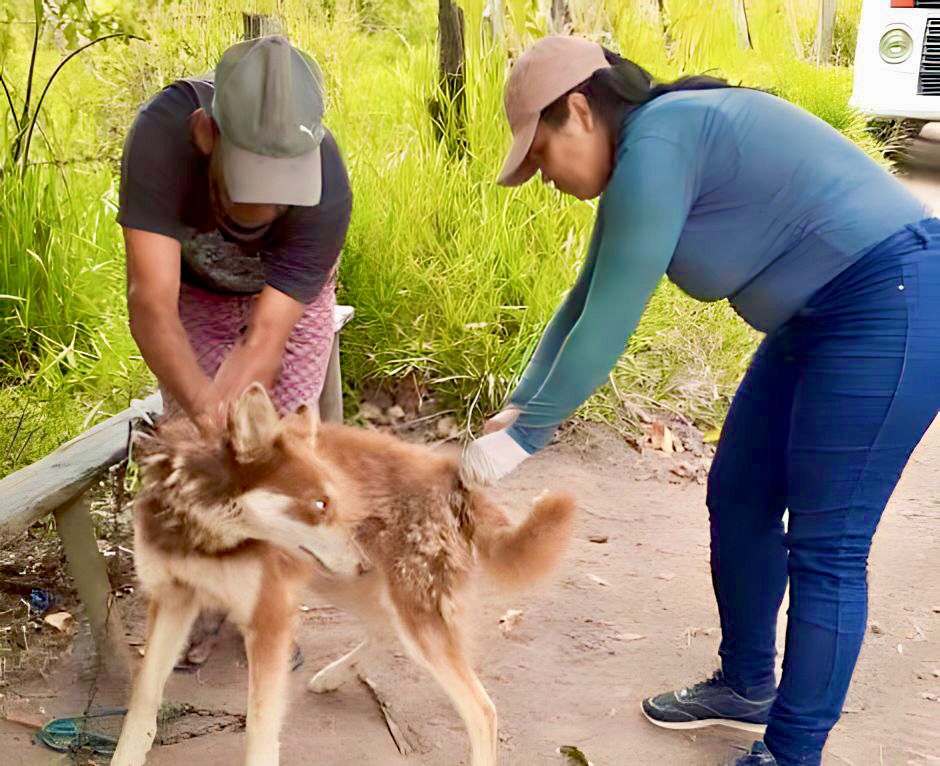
<point x="759" y="756"/>
<point x="709" y="703"/>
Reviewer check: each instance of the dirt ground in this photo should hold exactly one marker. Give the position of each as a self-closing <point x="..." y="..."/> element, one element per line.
<point x="623" y="618"/>
<point x="629" y="613"/>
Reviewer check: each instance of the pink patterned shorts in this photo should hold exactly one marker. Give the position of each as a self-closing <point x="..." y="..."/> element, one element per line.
<point x="214" y="322"/>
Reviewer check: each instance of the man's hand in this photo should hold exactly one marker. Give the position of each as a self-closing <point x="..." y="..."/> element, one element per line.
<point x="257" y="356"/>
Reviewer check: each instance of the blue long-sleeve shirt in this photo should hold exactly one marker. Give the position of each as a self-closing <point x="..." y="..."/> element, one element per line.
<point x="732" y="193"/>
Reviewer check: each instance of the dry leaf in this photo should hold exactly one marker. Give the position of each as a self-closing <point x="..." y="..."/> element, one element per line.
<point x="661" y="438"/>
<point x="710" y="437"/>
<point x="26" y="718"/>
<point x="61" y="621"/>
<point x="509" y="620"/>
<point x="630" y="637"/>
<point x="919" y="634"/>
<point x="446" y="427"/>
<point x="599" y="580"/>
<point x="574" y="756"/>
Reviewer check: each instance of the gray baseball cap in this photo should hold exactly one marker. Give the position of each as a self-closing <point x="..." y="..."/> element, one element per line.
<point x="268" y="104"/>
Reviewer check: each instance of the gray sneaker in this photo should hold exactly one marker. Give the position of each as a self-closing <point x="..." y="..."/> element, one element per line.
<point x="709" y="703"/>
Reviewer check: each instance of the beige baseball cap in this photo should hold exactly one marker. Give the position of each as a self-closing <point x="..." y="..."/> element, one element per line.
<point x="268" y="104"/>
<point x="545" y="72"/>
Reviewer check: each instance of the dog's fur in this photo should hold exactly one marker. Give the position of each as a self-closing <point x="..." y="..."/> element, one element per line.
<point x="243" y="521"/>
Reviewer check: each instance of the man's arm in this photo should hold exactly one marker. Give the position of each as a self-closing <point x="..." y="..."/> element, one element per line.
<point x="259" y="352"/>
<point x="153" y="286"/>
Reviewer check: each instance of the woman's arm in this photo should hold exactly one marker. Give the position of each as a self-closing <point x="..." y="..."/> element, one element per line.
<point x="546" y="352"/>
<point x="641" y="219"/>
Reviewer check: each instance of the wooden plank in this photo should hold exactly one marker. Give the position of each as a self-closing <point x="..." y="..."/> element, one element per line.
<point x="341" y="316"/>
<point x="256" y="25"/>
<point x="560" y="17"/>
<point x="825" y="29"/>
<point x="331" y="397"/>
<point x="447" y="111"/>
<point x="89" y="572"/>
<point x="794" y="26"/>
<point x="741" y="24"/>
<point x="32" y="492"/>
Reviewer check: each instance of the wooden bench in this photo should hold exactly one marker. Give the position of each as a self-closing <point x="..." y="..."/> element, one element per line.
<point x="59" y="484"/>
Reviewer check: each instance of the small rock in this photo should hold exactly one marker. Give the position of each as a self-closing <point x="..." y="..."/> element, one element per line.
<point x="509" y="621"/>
<point x="372" y="413"/>
<point x="629" y="637"/>
<point x="599" y="580"/>
<point x="876" y="628"/>
<point x="61" y="621"/>
<point x="599" y="539"/>
<point x="395" y="413"/>
<point x="931" y="697"/>
<point x="446" y="427"/>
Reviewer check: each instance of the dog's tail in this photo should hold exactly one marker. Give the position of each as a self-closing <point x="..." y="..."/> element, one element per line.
<point x="515" y="555"/>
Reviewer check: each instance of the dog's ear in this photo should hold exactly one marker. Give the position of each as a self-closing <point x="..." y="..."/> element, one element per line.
<point x="310" y="411"/>
<point x="253" y="423"/>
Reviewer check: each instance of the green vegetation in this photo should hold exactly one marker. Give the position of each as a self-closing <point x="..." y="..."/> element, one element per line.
<point x="452" y="277"/>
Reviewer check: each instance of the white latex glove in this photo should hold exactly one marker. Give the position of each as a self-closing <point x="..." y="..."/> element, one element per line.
<point x="488" y="459"/>
<point x="501" y="420"/>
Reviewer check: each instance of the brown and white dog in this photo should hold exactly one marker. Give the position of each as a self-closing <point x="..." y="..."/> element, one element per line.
<point x="243" y="521"/>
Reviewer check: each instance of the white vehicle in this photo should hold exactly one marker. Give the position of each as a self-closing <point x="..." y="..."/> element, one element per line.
<point x="897" y="60"/>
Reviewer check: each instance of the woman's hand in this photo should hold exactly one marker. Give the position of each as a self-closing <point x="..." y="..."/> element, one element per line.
<point x="501" y="420"/>
<point x="488" y="459"/>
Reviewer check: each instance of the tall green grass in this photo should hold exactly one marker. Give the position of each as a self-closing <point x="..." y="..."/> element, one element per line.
<point x="452" y="277"/>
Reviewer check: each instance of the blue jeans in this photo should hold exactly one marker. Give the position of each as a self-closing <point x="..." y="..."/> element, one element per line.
<point x="822" y="425"/>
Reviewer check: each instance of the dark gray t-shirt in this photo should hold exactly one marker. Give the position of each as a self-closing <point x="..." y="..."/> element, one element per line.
<point x="165" y="189"/>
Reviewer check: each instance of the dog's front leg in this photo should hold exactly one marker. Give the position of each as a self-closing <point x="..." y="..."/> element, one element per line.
<point x="268" y="640"/>
<point x="171" y="616"/>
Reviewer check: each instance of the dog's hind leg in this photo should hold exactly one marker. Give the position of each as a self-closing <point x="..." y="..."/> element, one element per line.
<point x="437" y="646"/>
<point x="268" y="640"/>
<point x="338" y="672"/>
<point x="171" y="616"/>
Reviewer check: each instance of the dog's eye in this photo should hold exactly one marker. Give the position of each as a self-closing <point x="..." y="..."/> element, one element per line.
<point x="320" y="505"/>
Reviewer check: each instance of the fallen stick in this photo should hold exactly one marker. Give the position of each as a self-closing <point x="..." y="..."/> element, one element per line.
<point x="405" y="747"/>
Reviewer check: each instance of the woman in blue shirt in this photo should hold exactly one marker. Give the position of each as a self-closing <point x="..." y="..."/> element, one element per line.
<point x="733" y="193"/>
